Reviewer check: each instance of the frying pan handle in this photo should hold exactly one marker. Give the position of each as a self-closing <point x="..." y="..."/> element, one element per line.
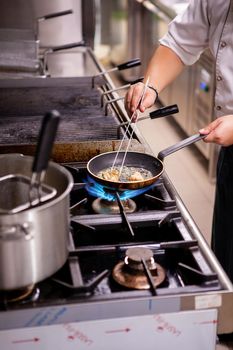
<point x="186" y="142"/>
<point x="129" y="64"/>
<point x="164" y="111"/>
<point x="45" y="142"/>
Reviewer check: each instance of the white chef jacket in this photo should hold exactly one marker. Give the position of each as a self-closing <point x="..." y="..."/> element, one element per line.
<point x="207" y="24"/>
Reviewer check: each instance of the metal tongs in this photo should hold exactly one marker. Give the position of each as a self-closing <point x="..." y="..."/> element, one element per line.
<point x="132" y="120"/>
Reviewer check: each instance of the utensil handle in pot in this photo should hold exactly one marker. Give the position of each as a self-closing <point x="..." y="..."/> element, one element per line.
<point x="45" y="143"/>
<point x="186" y="142"/>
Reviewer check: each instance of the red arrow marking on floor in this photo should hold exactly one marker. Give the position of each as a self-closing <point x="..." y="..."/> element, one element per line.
<point x="25" y="340"/>
<point x="71" y="337"/>
<point x="207" y="322"/>
<point x="118" y="330"/>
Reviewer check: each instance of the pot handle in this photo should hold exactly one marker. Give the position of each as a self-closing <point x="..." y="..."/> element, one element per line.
<point x="186" y="142"/>
<point x="15" y="232"/>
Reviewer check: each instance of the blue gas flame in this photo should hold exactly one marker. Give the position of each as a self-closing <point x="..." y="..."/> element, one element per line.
<point x="95" y="189"/>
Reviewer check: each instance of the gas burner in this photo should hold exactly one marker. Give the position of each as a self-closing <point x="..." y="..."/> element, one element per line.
<point x="27" y="294"/>
<point x="98" y="190"/>
<point x="131" y="272"/>
<point x="103" y="206"/>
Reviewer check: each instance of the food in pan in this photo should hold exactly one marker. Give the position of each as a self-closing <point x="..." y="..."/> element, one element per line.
<point x="136" y="176"/>
<point x="110" y="174"/>
<point x="128" y="174"/>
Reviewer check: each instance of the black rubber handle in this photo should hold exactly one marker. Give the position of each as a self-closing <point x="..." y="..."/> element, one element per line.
<point x="129" y="64"/>
<point x="58" y="14"/>
<point x="68" y="46"/>
<point x="164" y="111"/>
<point x="45" y="141"/>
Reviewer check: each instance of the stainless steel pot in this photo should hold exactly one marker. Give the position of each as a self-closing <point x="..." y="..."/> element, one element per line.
<point x="34" y="243"/>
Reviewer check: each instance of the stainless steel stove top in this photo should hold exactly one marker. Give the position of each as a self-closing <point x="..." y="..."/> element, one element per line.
<point x="98" y="242"/>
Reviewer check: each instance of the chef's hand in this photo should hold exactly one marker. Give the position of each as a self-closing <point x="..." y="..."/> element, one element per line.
<point x="220" y="131"/>
<point x="133" y="95"/>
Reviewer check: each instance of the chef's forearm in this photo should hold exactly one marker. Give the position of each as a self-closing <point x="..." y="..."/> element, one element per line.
<point x="163" y="68"/>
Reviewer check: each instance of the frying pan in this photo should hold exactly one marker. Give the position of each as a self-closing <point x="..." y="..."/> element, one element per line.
<point x="135" y="159"/>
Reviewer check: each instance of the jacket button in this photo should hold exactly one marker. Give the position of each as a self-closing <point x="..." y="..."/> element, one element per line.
<point x="223" y="44"/>
<point x="219" y="78"/>
<point x="218" y="108"/>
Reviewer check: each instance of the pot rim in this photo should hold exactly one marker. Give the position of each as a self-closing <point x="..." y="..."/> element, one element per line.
<point x="50" y="202"/>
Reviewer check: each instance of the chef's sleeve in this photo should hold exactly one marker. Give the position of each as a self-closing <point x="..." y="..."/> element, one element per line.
<point x="188" y="33"/>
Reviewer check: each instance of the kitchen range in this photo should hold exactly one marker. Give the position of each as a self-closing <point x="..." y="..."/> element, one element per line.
<point x="138" y="269"/>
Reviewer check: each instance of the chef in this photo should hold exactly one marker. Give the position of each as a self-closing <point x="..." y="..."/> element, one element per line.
<point x="204" y="24"/>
